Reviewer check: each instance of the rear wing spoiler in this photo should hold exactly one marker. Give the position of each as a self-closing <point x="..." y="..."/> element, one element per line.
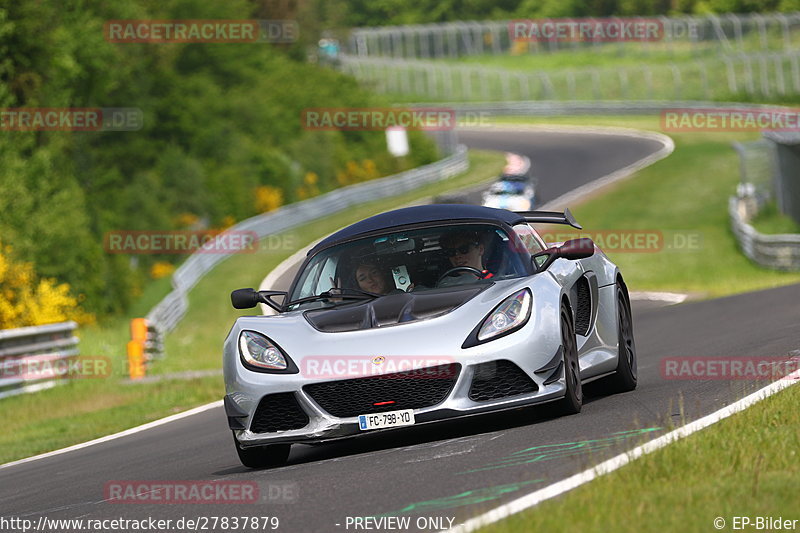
<point x="550" y="217"/>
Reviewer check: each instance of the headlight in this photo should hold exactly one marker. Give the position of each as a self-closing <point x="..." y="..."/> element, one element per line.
<point x="260" y="352"/>
<point x="509" y="315"/>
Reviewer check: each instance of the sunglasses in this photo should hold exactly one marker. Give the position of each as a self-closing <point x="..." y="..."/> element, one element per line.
<point x="459" y="250"/>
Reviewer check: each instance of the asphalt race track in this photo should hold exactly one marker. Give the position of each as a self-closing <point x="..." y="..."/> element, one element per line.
<point x="453" y="470"/>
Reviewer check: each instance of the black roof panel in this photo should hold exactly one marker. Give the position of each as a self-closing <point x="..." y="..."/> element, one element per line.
<point x="420" y="214"/>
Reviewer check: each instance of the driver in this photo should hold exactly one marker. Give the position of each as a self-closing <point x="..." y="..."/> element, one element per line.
<point x="464" y="249"/>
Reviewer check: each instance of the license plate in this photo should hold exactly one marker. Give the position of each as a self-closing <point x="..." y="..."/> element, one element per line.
<point x="388" y="419"/>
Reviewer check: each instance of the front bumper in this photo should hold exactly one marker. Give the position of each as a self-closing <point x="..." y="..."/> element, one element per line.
<point x="241" y="405"/>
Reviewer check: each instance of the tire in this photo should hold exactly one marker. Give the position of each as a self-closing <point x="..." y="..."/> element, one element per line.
<point x="625" y="378"/>
<point x="573" y="399"/>
<point x="263" y="456"/>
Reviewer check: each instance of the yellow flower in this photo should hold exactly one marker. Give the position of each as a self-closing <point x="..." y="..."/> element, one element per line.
<point x="28" y="301"/>
<point x="186" y="220"/>
<point x="161" y="269"/>
<point x="268" y="198"/>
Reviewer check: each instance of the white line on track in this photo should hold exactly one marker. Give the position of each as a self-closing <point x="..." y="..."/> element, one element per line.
<point x="556" y="489"/>
<point x="668" y="297"/>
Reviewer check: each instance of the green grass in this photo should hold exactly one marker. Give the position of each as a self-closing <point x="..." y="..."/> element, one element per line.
<point x="746" y="465"/>
<point x="771" y="221"/>
<point x="547" y="57"/>
<point x="587" y="56"/>
<point x="81" y="410"/>
<point x="685" y="194"/>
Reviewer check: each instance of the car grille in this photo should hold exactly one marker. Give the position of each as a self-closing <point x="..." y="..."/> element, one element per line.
<point x="278" y="412"/>
<point x="413" y="389"/>
<point x="499" y="379"/>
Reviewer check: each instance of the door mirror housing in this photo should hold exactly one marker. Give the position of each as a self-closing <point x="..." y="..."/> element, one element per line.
<point x="577" y="249"/>
<point x="249" y="298"/>
<point x="571" y="250"/>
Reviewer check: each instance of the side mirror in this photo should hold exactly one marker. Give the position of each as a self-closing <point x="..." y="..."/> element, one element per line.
<point x="249" y="298"/>
<point x="572" y="250"/>
<point x="244" y="298"/>
<point x="577" y="249"/>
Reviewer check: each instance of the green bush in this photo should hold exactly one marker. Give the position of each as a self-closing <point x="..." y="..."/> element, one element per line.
<point x="220" y="120"/>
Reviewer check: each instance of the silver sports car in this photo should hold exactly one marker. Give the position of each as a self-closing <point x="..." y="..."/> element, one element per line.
<point x="423" y="314"/>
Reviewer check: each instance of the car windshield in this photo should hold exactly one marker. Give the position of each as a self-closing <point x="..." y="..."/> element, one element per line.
<point x="408" y="261"/>
<point x="507" y="188"/>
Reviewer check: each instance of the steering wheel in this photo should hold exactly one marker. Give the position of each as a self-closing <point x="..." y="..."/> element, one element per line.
<point x="453" y="270"/>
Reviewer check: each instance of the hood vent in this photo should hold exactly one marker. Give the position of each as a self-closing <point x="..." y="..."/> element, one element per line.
<point x="391" y="309"/>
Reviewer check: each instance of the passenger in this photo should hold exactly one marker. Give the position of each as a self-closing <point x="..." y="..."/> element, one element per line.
<point x="371" y="278"/>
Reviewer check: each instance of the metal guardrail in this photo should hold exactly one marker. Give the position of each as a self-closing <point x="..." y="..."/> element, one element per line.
<point x="761" y="181"/>
<point x="167" y="313"/>
<point x="57" y="341"/>
<point x="728" y="33"/>
<point x="779" y="252"/>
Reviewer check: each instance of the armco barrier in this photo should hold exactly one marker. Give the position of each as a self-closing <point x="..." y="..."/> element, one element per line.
<point x="57" y="340"/>
<point x="761" y="180"/>
<point x="779" y="252"/>
<point x="167" y="313"/>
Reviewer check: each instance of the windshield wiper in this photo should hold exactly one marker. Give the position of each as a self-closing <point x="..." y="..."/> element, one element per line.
<point x="346" y="294"/>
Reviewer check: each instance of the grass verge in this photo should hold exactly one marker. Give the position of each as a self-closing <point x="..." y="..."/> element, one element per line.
<point x="772" y="222"/>
<point x="682" y="201"/>
<point x="86" y="409"/>
<point x="745" y="465"/>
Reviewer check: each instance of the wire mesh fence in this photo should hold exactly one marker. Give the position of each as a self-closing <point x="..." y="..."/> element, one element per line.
<point x="728" y="33"/>
<point x="757" y="169"/>
<point x="759" y="75"/>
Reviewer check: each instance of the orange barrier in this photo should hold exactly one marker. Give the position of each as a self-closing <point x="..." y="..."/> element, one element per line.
<point x="136" y="357"/>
